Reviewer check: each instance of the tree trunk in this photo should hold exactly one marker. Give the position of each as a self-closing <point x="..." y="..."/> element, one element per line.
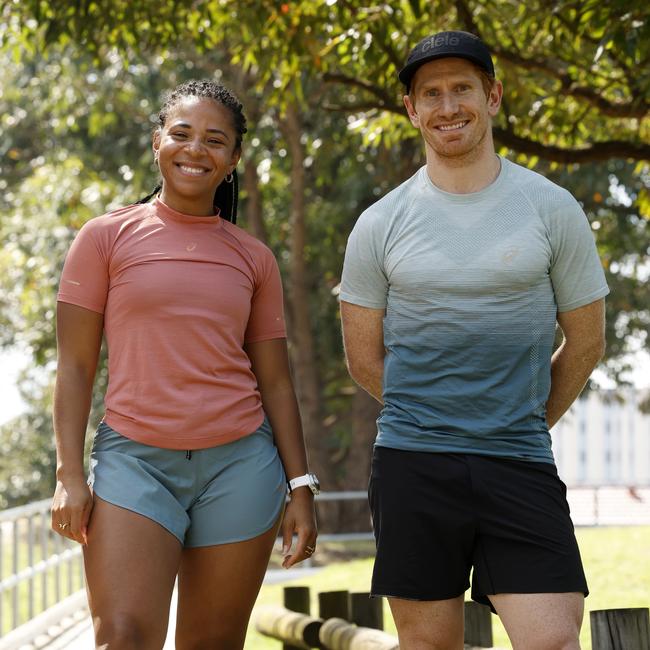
<point x="303" y="352"/>
<point x="355" y="515"/>
<point x="253" y="213"/>
<point x="242" y="82"/>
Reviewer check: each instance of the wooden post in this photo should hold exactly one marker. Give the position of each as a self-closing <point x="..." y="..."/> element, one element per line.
<point x="334" y="604"/>
<point x="296" y="599"/>
<point x="293" y="629"/>
<point x="620" y="629"/>
<point x="366" y="611"/>
<point x="478" y="625"/>
<point x="337" y="634"/>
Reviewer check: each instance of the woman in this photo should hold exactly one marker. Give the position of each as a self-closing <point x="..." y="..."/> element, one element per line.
<point x="189" y="465"/>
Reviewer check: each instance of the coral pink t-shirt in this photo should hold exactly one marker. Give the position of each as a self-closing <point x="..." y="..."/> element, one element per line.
<point x="181" y="295"/>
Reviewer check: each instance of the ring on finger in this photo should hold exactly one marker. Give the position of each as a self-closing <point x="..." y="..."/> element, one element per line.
<point x="64" y="525"/>
<point x="310" y="549"/>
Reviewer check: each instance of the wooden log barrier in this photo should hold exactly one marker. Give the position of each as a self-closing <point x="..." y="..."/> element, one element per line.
<point x="296" y="599"/>
<point x="292" y="628"/>
<point x="620" y="629"/>
<point x="339" y="634"/>
<point x="334" y="604"/>
<point x="366" y="611"/>
<point x="478" y="625"/>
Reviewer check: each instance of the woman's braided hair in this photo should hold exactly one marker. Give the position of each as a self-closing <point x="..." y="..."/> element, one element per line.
<point x="226" y="194"/>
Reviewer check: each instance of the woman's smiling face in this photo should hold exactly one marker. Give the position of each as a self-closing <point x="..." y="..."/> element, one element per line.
<point x="196" y="149"/>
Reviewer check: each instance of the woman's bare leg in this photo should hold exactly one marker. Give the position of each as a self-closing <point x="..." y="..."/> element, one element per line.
<point x="217" y="588"/>
<point x="131" y="564"/>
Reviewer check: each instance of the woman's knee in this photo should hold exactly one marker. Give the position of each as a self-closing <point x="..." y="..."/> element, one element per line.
<point x="224" y="639"/>
<point x="126" y="631"/>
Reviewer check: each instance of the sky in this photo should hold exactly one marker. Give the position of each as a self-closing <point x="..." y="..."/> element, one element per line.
<point x="13" y="361"/>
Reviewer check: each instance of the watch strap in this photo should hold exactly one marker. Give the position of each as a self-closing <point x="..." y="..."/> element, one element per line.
<point x="299" y="481"/>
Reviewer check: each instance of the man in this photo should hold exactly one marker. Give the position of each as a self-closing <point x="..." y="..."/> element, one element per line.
<point x="451" y="290"/>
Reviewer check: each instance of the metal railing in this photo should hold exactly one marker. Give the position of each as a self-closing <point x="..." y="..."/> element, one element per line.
<point x="591" y="505"/>
<point x="38" y="568"/>
<point x="348" y="495"/>
<point x="41" y="573"/>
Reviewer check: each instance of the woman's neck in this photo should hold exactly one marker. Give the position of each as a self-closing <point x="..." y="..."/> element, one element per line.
<point x="195" y="206"/>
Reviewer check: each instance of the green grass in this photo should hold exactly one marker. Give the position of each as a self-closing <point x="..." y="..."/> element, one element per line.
<point x="615" y="560"/>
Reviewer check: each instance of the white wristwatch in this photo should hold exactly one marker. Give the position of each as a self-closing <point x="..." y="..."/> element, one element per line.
<point x="310" y="480"/>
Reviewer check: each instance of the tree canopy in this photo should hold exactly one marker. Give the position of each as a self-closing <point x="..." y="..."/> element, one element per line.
<point x="577" y="73"/>
<point x="81" y="83"/>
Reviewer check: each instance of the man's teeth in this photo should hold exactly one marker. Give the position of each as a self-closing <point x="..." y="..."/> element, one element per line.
<point x="192" y="170"/>
<point x="452" y="127"/>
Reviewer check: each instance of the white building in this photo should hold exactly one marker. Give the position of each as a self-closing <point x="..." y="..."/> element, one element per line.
<point x="604" y="440"/>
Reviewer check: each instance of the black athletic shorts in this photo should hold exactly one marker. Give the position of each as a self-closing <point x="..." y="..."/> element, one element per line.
<point x="436" y="516"/>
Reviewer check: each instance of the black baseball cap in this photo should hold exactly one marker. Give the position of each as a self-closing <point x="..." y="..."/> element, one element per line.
<point x="446" y="44"/>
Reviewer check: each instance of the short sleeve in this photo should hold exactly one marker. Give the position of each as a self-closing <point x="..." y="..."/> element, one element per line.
<point x="266" y="320"/>
<point x="85" y="277"/>
<point x="576" y="271"/>
<point x="364" y="281"/>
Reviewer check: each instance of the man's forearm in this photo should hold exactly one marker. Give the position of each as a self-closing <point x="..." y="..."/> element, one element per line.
<point x="370" y="377"/>
<point x="363" y="343"/>
<point x="570" y="370"/>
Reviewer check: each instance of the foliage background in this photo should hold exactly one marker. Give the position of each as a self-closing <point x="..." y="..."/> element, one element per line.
<point x="80" y="87"/>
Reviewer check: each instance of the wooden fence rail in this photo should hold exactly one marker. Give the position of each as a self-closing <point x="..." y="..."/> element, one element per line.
<point x="348" y="621"/>
<point x="620" y="629"/>
<point x="355" y="622"/>
<point x="339" y="634"/>
<point x="293" y="629"/>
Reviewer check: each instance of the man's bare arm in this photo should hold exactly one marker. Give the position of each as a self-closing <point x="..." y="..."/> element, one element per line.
<point x="573" y="361"/>
<point x="363" y="339"/>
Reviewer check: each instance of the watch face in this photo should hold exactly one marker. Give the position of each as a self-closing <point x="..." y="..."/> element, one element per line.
<point x="314" y="484"/>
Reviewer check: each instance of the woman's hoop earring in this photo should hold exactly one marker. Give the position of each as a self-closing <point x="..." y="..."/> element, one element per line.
<point x="229" y="178"/>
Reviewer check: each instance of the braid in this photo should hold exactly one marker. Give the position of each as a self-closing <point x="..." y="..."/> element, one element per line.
<point x="146" y="199"/>
<point x="226" y="194"/>
<point x="226" y="198"/>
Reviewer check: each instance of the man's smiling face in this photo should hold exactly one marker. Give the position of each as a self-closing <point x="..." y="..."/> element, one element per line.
<point x="448" y="103"/>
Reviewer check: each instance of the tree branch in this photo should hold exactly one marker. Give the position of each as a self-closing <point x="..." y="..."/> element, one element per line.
<point x="383" y="45"/>
<point x="612" y="54"/>
<point x="597" y="151"/>
<point x="638" y="107"/>
<point x="594" y="152"/>
<point x="387" y="100"/>
<point x="364" y="107"/>
<point x="388" y="51"/>
<point x="466" y="17"/>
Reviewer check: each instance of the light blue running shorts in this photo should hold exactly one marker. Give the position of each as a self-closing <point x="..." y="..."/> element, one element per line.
<point x="204" y="497"/>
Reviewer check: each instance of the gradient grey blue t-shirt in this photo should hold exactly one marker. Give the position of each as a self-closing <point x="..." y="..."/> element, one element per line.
<point x="471" y="285"/>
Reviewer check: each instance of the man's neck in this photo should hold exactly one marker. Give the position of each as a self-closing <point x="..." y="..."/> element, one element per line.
<point x="463" y="176"/>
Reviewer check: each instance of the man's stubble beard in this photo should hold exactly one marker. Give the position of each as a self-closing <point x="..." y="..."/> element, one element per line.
<point x="462" y="159"/>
